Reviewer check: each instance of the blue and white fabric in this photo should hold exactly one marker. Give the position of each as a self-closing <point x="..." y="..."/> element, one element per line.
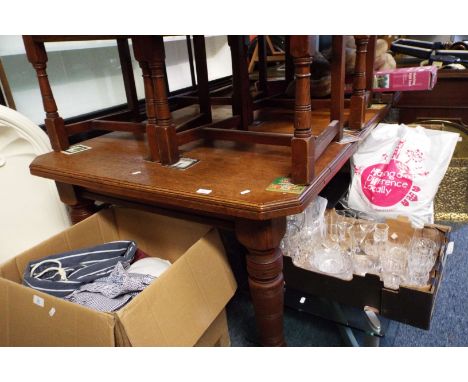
<point x="62" y="274"/>
<point x="110" y="293"/>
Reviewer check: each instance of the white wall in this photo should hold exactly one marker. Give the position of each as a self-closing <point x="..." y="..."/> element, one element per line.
<point x="86" y="76"/>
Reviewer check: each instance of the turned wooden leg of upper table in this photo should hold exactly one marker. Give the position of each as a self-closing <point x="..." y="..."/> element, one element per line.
<point x="78" y="208"/>
<point x="241" y="98"/>
<point x="265" y="270"/>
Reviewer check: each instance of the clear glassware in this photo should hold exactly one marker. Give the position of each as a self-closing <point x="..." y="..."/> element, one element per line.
<point x="343" y="236"/>
<point x="380" y="232"/>
<point x="421" y="260"/>
<point x="366" y="222"/>
<point x="315" y="213"/>
<point x="380" y="236"/>
<point x="333" y="232"/>
<point x="362" y="263"/>
<point x="298" y="249"/>
<point x="331" y="216"/>
<point x="311" y="230"/>
<point x="346" y="215"/>
<point x="302" y="243"/>
<point x="369" y="247"/>
<point x="298" y="219"/>
<point x="424" y="245"/>
<point x="372" y="251"/>
<point x="344" y="219"/>
<point x="287" y="244"/>
<point x="357" y="236"/>
<point x="393" y="262"/>
<point x="330" y="259"/>
<point x="365" y="216"/>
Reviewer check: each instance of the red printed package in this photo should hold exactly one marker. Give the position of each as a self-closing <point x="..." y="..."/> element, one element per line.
<point x="405" y="79"/>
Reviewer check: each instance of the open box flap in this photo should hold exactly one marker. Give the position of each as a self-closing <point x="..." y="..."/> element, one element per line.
<point x="177" y="308"/>
<point x="97" y="229"/>
<point x="158" y="235"/>
<point x="53" y="321"/>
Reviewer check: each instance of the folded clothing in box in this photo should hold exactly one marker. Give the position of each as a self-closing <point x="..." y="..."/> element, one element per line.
<point x="182" y="307"/>
<point x="63" y="273"/>
<point x="108" y="294"/>
<point x="95" y="277"/>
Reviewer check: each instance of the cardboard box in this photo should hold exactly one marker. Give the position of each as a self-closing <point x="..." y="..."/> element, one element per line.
<point x="410" y="305"/>
<point x="184" y="307"/>
<point x="405" y="79"/>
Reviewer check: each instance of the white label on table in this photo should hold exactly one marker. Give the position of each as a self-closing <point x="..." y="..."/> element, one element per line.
<point x="245" y="192"/>
<point x="51" y="312"/>
<point x="203" y="191"/>
<point x="302" y="300"/>
<point x="76" y="149"/>
<point x="39" y="301"/>
<point x="184" y="163"/>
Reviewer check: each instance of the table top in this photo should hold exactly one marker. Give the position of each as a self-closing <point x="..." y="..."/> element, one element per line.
<point x="116" y="166"/>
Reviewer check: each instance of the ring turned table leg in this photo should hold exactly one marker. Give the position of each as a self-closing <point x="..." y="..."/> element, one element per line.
<point x="265" y="270"/>
<point x="82" y="210"/>
<point x="78" y="208"/>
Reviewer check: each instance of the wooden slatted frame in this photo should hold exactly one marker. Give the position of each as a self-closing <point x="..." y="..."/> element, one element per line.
<point x="362" y="85"/>
<point x="163" y="137"/>
<point x="60" y="132"/>
<point x="305" y="148"/>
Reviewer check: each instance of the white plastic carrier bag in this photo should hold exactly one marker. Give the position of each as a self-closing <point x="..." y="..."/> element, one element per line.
<point x="397" y="170"/>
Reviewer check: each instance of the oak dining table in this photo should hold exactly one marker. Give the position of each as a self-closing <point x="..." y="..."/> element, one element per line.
<point x="227" y="186"/>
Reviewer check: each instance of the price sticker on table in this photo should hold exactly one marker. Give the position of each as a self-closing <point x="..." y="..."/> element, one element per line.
<point x="75" y="149"/>
<point x="283" y="184"/>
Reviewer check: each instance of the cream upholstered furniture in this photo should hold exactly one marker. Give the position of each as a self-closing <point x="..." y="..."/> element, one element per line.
<point x="31" y="210"/>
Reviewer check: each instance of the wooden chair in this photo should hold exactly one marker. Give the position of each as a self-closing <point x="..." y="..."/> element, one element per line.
<point x="363" y="78"/>
<point x="305" y="148"/>
<point x="126" y="120"/>
<point x="362" y="83"/>
<point x="265" y="52"/>
<point x="164" y="138"/>
<point x="6" y="96"/>
<point x="159" y="126"/>
<point x="58" y="132"/>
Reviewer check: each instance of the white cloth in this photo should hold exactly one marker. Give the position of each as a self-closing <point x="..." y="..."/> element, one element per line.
<point x="149" y="266"/>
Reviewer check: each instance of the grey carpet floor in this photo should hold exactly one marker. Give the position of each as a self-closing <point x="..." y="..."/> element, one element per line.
<point x="449" y="325"/>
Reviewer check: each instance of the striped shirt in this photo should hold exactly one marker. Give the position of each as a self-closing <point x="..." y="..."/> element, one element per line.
<point x="62" y="274"/>
<point x="110" y="293"/>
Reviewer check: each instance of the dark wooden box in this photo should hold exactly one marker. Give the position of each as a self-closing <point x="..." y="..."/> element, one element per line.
<point x="408" y="305"/>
